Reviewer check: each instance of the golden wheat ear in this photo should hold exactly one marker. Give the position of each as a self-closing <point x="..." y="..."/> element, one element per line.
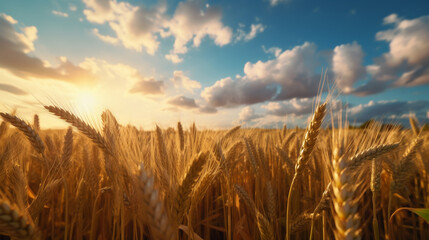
<point x="14" y="223"/>
<point x="161" y="225"/>
<point x="87" y="130"/>
<point x="346" y="217"/>
<point x="25" y="128"/>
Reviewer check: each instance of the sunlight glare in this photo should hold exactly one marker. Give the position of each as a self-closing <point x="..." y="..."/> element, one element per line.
<point x="86" y="101"/>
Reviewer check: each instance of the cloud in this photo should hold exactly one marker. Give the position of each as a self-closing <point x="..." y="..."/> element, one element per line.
<point x="15" y="47"/>
<point x="407" y="62"/>
<point x="8" y="18"/>
<point x="174" y="58"/>
<point x="289" y="75"/>
<point x="191" y="24"/>
<point x="207" y="109"/>
<point x="272" y="50"/>
<point x="148" y="86"/>
<point x="383" y="110"/>
<point x="347" y="65"/>
<point x="183" y="102"/>
<point x="392" y="18"/>
<point x="138" y="28"/>
<point x="254" y="30"/>
<point x="61" y="14"/>
<point x="135" y="27"/>
<point x="181" y="81"/>
<point x="246" y="115"/>
<point x="72" y="7"/>
<point x="105" y="38"/>
<point x="12" y="89"/>
<point x="294" y="107"/>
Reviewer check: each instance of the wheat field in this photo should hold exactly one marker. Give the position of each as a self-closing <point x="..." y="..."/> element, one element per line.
<point x="119" y="182"/>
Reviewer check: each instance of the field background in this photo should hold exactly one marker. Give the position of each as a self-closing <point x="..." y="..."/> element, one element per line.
<point x="119" y="182"/>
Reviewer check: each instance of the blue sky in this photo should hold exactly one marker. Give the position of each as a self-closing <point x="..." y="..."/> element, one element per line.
<point x="218" y="63"/>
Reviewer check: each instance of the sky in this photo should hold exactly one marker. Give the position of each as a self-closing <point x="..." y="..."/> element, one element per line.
<point x="220" y="63"/>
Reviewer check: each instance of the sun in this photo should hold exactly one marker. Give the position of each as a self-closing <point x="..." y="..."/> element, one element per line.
<point x="86" y="101"/>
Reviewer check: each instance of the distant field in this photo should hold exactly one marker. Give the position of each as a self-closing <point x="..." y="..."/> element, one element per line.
<point x="119" y="182"/>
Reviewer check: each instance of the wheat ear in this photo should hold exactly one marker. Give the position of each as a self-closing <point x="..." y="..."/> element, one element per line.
<point x="182" y="202"/>
<point x="42" y="198"/>
<point x="181" y="136"/>
<point x="31" y="135"/>
<point x="414" y="126"/>
<point x="36" y="122"/>
<point x="231" y="131"/>
<point x="375" y="189"/>
<point x="370" y="153"/>
<point x="162" y="227"/>
<point x="110" y="129"/>
<point x="265" y="229"/>
<point x="345" y="206"/>
<point x="68" y="146"/>
<point x="404" y="169"/>
<point x="87" y="130"/>
<point x="14" y="222"/>
<point x="401" y="173"/>
<point x="306" y="149"/>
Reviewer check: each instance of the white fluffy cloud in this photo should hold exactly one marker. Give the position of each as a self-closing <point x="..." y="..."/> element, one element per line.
<point x="254" y="30"/>
<point x="287" y="76"/>
<point x="180" y="80"/>
<point x="347" y="65"/>
<point x="138" y="28"/>
<point x="191" y="24"/>
<point x="246" y="115"/>
<point x="135" y="27"/>
<point x="407" y="62"/>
